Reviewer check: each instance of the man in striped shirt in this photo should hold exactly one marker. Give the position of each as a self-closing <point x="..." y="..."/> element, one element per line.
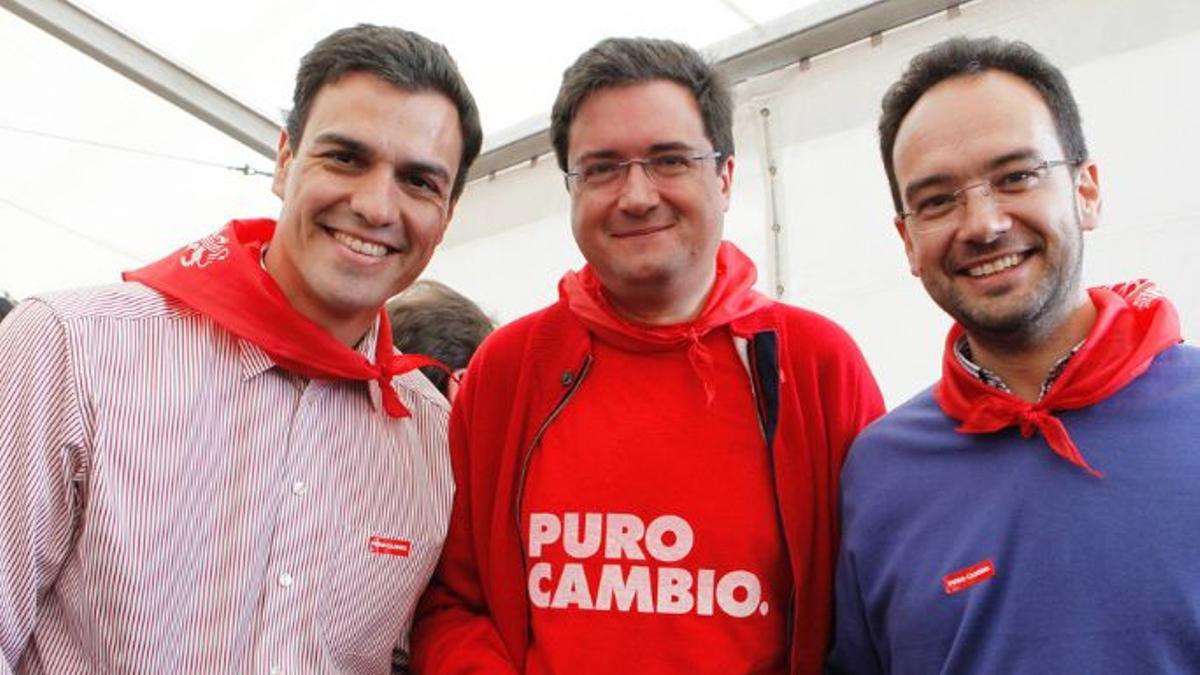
<point x="222" y="466"/>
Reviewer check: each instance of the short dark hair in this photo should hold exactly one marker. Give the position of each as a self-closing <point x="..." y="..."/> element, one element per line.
<point x="616" y="62"/>
<point x="433" y="319"/>
<point x="405" y="59"/>
<point x="960" y="56"/>
<point x="6" y="305"/>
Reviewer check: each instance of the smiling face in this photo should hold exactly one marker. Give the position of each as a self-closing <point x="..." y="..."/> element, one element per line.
<point x="366" y="199"/>
<point x="652" y="245"/>
<point x="1001" y="268"/>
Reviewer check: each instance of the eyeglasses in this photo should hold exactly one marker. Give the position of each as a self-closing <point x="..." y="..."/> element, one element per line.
<point x="660" y="169"/>
<point x="935" y="210"/>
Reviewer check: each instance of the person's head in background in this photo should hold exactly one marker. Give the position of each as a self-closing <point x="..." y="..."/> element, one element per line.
<point x="433" y="319"/>
<point x="6" y="304"/>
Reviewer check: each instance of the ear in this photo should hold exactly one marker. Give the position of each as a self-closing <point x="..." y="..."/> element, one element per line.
<point x="902" y="229"/>
<point x="726" y="178"/>
<point x="1087" y="196"/>
<point x="283" y="160"/>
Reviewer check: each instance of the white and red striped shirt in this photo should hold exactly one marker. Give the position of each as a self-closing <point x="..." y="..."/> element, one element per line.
<point x="173" y="502"/>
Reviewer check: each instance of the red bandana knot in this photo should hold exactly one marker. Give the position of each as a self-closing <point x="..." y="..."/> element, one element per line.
<point x="1030" y="420"/>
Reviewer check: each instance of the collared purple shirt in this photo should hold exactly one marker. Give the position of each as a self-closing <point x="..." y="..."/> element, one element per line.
<point x="962" y="352"/>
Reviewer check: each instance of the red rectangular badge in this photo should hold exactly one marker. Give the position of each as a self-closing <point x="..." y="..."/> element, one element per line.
<point x="385" y="546"/>
<point x="967" y="577"/>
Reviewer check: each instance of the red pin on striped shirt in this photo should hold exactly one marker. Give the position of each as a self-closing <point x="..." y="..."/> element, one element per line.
<point x="386" y="546"/>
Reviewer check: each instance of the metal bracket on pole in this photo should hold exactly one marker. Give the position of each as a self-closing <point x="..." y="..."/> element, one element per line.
<point x="775" y="240"/>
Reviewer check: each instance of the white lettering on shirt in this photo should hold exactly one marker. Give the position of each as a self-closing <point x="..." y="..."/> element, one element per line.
<point x="644" y="588"/>
<point x="544" y="528"/>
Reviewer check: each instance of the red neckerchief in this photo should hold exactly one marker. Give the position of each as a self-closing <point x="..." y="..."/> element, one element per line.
<point x="1134" y="323"/>
<point x="732" y="297"/>
<point x="221" y="276"/>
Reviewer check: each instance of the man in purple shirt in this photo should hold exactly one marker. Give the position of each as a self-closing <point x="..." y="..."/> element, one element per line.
<point x="1032" y="512"/>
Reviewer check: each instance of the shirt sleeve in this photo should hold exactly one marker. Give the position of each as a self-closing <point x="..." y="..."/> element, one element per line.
<point x="41" y="467"/>
<point x="864" y="401"/>
<point x="453" y="633"/>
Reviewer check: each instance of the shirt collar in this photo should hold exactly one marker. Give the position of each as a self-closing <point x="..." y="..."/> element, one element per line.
<point x="366" y="347"/>
<point x="962" y="352"/>
<point x="255" y="361"/>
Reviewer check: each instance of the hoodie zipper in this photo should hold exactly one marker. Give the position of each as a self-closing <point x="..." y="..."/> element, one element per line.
<point x="528" y="457"/>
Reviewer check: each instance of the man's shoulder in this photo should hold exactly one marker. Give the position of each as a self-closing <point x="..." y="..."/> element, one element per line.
<point x="124" y="301"/>
<point x="1182" y="355"/>
<point x="921" y="410"/>
<point x="906" y="427"/>
<point x="551" y="329"/>
<point x="807" y="333"/>
<point x="532" y="353"/>
<point x="1168" y="388"/>
<point x="795" y="317"/>
<point x="418" y="391"/>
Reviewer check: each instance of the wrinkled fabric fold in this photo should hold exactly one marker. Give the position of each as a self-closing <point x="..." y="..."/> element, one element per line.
<point x="222" y="278"/>
<point x="1134" y="323"/>
<point x="732" y="296"/>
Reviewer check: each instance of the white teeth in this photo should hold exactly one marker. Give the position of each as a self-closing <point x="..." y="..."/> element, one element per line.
<point x="359" y="246"/>
<point x="994" y="266"/>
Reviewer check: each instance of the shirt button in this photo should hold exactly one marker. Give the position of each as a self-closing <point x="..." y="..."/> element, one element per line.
<point x="276" y="670"/>
<point x="299" y="488"/>
<point x="286" y="580"/>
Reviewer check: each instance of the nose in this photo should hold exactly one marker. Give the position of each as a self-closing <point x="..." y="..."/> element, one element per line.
<point x="639" y="194"/>
<point x="984" y="218"/>
<point x="376" y="198"/>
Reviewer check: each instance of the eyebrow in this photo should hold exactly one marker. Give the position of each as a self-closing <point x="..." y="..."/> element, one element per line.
<point x="426" y="169"/>
<point x="992" y="164"/>
<point x="360" y="148"/>
<point x="352" y="144"/>
<point x="675" y="146"/>
<point x="655" y="149"/>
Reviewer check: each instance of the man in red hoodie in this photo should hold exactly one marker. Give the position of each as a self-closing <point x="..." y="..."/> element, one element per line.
<point x="647" y="469"/>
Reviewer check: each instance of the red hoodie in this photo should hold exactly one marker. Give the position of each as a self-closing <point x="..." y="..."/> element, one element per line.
<point x="813" y="393"/>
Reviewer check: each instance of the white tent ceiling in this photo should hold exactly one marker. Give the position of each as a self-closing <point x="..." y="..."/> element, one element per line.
<point x="511" y="53"/>
<point x="75" y="210"/>
<point x="103" y="175"/>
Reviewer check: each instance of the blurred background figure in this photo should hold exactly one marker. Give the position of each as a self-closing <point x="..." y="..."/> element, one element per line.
<point x="6" y="304"/>
<point x="433" y="319"/>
